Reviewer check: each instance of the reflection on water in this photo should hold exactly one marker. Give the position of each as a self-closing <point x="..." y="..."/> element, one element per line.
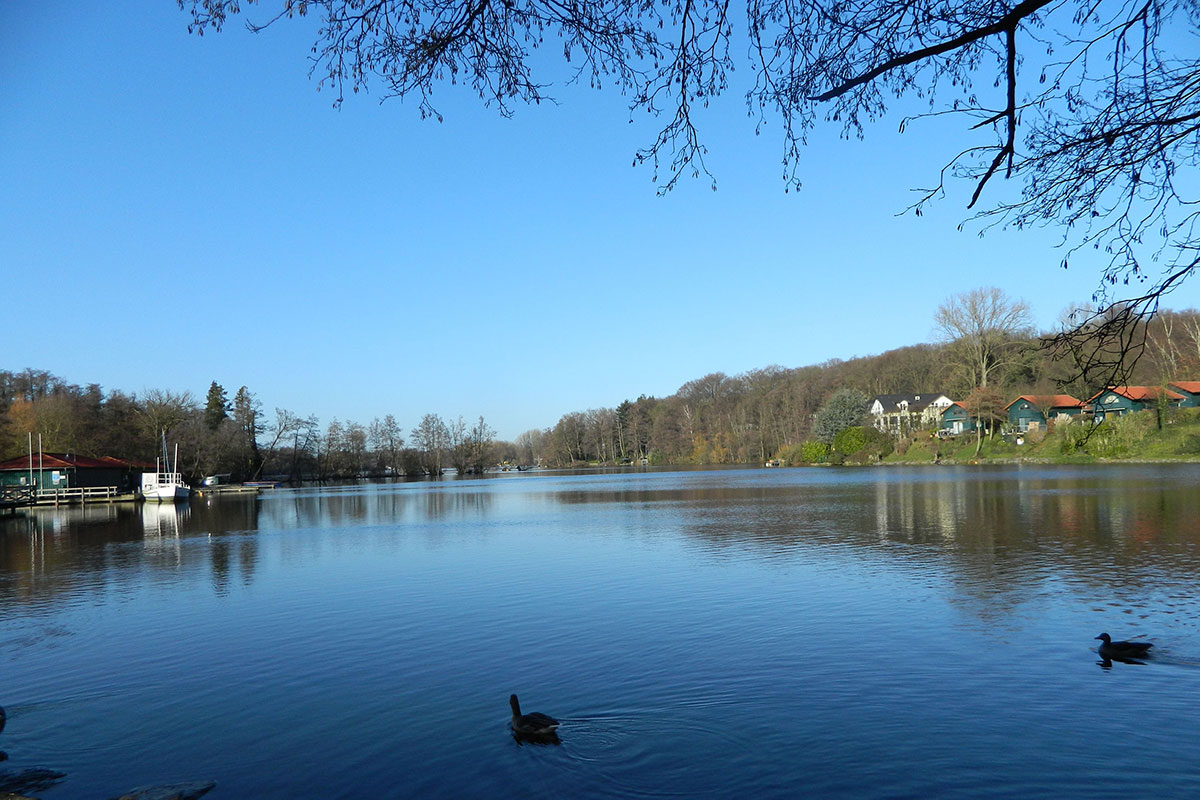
<point x="995" y="532"/>
<point x="887" y="632"/>
<point x="164" y="520"/>
<point x="161" y="523"/>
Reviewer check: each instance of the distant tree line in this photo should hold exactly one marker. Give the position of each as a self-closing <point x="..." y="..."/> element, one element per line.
<point x="234" y="437"/>
<point x="987" y="353"/>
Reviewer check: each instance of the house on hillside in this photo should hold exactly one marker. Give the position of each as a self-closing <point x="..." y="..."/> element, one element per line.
<point x="70" y="471"/>
<point x="901" y="414"/>
<point x="1190" y="391"/>
<point x="955" y="419"/>
<point x="1034" y="411"/>
<point x="1120" y="400"/>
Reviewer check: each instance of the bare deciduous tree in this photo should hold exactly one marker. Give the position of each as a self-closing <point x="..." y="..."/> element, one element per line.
<point x="530" y="445"/>
<point x="985" y="328"/>
<point x="286" y="428"/>
<point x="160" y="411"/>
<point x="432" y="438"/>
<point x="387" y="443"/>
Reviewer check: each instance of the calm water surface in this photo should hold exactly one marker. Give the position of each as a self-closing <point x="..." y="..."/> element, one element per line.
<point x="769" y="633"/>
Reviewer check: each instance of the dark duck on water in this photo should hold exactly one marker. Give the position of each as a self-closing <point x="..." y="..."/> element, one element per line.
<point x="532" y="724"/>
<point x="1121" y="650"/>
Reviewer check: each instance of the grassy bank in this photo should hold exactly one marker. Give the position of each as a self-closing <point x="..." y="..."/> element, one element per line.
<point x="1134" y="437"/>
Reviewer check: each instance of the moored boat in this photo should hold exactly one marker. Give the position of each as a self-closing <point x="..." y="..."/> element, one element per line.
<point x="164" y="485"/>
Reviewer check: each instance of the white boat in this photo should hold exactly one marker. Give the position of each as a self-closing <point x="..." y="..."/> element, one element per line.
<point x="164" y="485"/>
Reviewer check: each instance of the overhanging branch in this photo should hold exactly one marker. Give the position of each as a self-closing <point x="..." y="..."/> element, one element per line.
<point x="1005" y="23"/>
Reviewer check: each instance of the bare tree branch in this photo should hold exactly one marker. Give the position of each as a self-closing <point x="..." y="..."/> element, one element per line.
<point x="1092" y="112"/>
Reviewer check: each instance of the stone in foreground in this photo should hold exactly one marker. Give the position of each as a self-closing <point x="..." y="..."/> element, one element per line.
<point x="173" y="791"/>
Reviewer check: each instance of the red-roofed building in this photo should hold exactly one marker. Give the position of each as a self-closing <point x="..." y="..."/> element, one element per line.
<point x="1036" y="410"/>
<point x="1190" y="391"/>
<point x="70" y="471"/>
<point x="1120" y="400"/>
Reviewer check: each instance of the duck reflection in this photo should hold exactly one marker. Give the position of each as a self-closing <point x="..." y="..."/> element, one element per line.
<point x="1106" y="662"/>
<point x="541" y="739"/>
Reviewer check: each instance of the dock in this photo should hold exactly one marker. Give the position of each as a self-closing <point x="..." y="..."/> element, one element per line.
<point x="227" y="488"/>
<point x="14" y="497"/>
<point x="84" y="495"/>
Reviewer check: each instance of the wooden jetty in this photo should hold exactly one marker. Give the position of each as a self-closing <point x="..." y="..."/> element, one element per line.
<point x="227" y="488"/>
<point x="14" y="497"/>
<point x="83" y="495"/>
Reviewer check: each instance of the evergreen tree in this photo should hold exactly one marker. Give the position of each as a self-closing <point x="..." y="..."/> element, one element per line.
<point x="246" y="411"/>
<point x="847" y="408"/>
<point x="216" y="407"/>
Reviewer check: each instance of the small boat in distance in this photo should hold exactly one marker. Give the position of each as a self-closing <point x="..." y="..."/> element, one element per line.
<point x="164" y="485"/>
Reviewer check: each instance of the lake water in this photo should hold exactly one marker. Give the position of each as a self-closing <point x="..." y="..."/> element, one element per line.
<point x="827" y="633"/>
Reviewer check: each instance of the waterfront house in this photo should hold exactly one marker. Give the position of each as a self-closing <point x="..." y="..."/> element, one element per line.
<point x="70" y="471"/>
<point x="901" y="414"/>
<point x="955" y="419"/>
<point x="1190" y="391"/>
<point x="1120" y="400"/>
<point x="1038" y="410"/>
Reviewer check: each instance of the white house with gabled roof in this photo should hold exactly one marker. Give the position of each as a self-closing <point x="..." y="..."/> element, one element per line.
<point x="901" y="414"/>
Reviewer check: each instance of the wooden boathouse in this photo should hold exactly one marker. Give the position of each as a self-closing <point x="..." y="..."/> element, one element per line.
<point x="67" y="477"/>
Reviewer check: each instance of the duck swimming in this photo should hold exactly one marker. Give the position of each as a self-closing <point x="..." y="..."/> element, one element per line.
<point x="1118" y="650"/>
<point x="533" y="724"/>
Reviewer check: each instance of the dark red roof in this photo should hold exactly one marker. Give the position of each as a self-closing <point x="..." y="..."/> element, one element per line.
<point x="1138" y="393"/>
<point x="69" y="461"/>
<point x="1050" y="401"/>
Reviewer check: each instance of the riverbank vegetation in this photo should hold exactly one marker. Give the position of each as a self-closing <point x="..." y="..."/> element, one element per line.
<point x="796" y="415"/>
<point x="803" y="415"/>
<point x="1138" y="436"/>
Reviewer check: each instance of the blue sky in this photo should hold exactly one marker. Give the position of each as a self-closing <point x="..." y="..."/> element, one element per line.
<point x="181" y="209"/>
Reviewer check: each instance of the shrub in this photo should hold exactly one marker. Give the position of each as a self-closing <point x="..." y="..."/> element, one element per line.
<point x="790" y="454"/>
<point x="877" y="443"/>
<point x="1073" y="438"/>
<point x="814" y="452"/>
<point x="865" y="443"/>
<point x="849" y="441"/>
<point x="1114" y="438"/>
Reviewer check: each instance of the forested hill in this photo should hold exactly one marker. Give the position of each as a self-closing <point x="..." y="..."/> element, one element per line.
<point x="749" y="417"/>
<point x="713" y="419"/>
